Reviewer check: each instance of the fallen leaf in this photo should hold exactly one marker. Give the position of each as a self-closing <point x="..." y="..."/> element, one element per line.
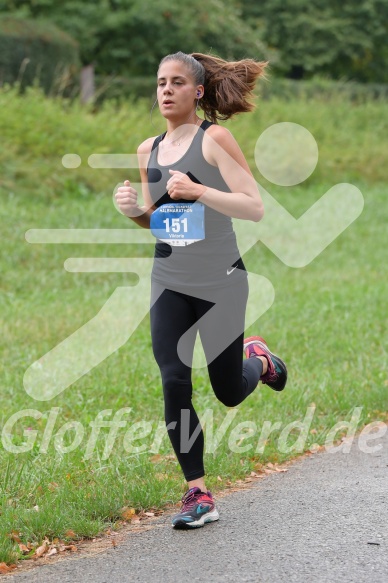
<point x="219" y="478"/>
<point x="25" y="550"/>
<point x="72" y="548"/>
<point x="15" y="536"/>
<point x="127" y="513"/>
<point x="4" y="568"/>
<point x="156" y="458"/>
<point x="40" y="551"/>
<point x="36" y="508"/>
<point x="70" y="534"/>
<point x="149" y="513"/>
<point x="114" y="542"/>
<point x="52" y="552"/>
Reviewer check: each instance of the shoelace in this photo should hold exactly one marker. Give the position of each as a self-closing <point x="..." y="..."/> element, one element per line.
<point x="271" y="375"/>
<point x="190" y="499"/>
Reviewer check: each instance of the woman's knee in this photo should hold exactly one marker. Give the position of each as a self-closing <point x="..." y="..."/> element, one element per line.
<point x="176" y="385"/>
<point x="228" y="399"/>
<point x="227" y="391"/>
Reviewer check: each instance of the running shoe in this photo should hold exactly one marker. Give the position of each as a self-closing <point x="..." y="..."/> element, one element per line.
<point x="276" y="375"/>
<point x="197" y="509"/>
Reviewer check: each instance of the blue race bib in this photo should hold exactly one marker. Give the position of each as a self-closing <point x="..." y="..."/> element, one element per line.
<point x="179" y="223"/>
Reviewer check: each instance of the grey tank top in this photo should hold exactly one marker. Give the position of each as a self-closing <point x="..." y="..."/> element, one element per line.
<point x="211" y="262"/>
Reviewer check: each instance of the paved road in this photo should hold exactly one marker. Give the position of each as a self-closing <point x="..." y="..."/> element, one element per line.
<point x="312" y="524"/>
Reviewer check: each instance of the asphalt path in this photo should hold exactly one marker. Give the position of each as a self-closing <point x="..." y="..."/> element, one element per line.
<point x="325" y="520"/>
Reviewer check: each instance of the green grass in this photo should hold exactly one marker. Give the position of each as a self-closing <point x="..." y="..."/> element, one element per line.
<point x="328" y="320"/>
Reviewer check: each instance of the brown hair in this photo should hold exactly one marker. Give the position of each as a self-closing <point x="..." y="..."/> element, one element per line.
<point x="228" y="84"/>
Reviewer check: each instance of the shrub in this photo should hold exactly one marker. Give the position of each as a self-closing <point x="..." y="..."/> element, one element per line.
<point x="34" y="51"/>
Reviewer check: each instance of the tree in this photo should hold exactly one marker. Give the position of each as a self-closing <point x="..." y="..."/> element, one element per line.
<point x="129" y="37"/>
<point x="341" y="39"/>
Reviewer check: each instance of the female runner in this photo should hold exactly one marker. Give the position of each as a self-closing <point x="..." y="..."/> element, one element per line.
<point x="195" y="179"/>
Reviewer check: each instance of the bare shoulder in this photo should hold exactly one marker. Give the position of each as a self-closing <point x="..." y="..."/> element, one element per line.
<point x="144" y="152"/>
<point x="146" y="146"/>
<point x="223" y="138"/>
<point x="219" y="133"/>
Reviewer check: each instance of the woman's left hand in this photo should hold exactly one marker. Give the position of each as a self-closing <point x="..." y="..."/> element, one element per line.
<point x="180" y="186"/>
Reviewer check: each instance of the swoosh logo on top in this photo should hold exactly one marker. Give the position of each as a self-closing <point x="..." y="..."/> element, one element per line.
<point x="229" y="271"/>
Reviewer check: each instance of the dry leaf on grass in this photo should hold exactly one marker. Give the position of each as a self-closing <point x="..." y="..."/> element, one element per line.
<point x="128" y="513"/>
<point x="23" y="549"/>
<point x="63" y="548"/>
<point x="70" y="534"/>
<point x="4" y="568"/>
<point x="40" y="551"/>
<point x="52" y="551"/>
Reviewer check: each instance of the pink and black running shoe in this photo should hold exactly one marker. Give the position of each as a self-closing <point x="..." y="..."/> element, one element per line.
<point x="197" y="508"/>
<point x="276" y="375"/>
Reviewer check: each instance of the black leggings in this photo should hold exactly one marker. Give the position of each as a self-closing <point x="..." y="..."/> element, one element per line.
<point x="222" y="334"/>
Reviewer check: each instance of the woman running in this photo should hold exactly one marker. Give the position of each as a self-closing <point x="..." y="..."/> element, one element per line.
<point x="195" y="179"/>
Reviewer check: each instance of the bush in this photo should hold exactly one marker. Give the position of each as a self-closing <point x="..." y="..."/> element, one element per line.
<point x="323" y="89"/>
<point x="34" y="51"/>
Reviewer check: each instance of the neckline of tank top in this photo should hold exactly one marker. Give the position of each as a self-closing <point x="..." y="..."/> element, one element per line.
<point x="185" y="154"/>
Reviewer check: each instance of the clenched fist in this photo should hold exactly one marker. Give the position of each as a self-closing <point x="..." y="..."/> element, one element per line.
<point x="126" y="198"/>
<point x="180" y="186"/>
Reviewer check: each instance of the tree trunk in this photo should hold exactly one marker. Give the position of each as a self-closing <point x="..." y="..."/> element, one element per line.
<point x="87" y="83"/>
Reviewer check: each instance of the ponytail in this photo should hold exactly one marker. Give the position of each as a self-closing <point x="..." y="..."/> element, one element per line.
<point x="228" y="84"/>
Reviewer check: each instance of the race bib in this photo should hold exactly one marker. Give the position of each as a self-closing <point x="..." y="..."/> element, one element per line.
<point x="179" y="223"/>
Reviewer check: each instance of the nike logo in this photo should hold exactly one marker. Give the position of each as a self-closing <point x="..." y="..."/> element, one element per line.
<point x="229" y="271"/>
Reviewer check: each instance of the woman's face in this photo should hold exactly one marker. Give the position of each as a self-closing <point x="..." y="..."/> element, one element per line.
<point x="177" y="92"/>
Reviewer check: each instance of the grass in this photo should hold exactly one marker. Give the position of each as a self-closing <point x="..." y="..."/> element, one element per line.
<point x="328" y="320"/>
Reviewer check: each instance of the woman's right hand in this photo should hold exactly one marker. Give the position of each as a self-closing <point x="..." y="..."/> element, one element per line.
<point x="126" y="198"/>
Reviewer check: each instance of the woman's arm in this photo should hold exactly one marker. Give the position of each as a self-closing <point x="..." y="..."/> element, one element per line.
<point x="221" y="149"/>
<point x="126" y="196"/>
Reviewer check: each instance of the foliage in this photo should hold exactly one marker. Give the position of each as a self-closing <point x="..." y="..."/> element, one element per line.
<point x="36" y="51"/>
<point x="129" y="37"/>
<point x="344" y="39"/>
